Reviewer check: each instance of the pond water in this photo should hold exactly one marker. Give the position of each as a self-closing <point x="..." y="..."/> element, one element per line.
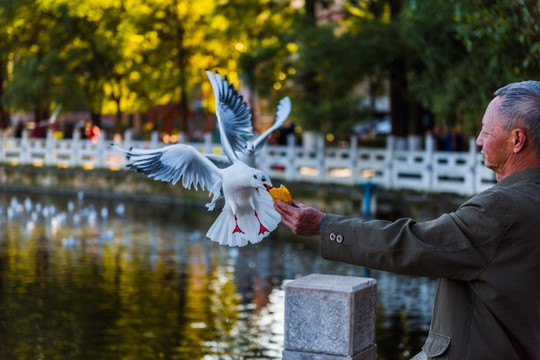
<point x="88" y="279"/>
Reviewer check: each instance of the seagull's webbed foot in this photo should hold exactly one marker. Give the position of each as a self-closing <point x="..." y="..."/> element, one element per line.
<point x="262" y="229"/>
<point x="237" y="228"/>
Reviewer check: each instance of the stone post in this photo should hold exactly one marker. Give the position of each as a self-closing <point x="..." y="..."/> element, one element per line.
<point x="208" y="146"/>
<point x="330" y="317"/>
<point x="290" y="169"/>
<point x="353" y="160"/>
<point x="473" y="155"/>
<point x="75" y="158"/>
<point x="429" y="153"/>
<point x="389" y="161"/>
<point x="322" y="167"/>
<point x="49" y="156"/>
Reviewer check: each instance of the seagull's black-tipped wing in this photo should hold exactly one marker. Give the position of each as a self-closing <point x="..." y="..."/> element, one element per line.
<point x="174" y="163"/>
<point x="283" y="110"/>
<point x="233" y="114"/>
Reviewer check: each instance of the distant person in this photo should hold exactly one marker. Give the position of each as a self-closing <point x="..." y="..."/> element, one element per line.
<point x="454" y="140"/>
<point x="19" y="128"/>
<point x="284" y="133"/>
<point x="69" y="128"/>
<point x="81" y="127"/>
<point x="486" y="254"/>
<point x="438" y="137"/>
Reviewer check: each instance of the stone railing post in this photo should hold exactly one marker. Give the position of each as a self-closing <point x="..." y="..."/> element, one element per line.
<point x="49" y="156"/>
<point x="208" y="146"/>
<point x="353" y="160"/>
<point x="389" y="161"/>
<point x="473" y="154"/>
<point x="154" y="139"/>
<point x="75" y="149"/>
<point x="321" y="159"/>
<point x="329" y="317"/>
<point x="429" y="153"/>
<point x="291" y="172"/>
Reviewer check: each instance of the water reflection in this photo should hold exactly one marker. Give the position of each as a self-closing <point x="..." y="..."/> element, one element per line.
<point x="85" y="279"/>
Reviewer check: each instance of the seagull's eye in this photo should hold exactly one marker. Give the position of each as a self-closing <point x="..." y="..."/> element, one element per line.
<point x="255" y="177"/>
<point x="263" y="179"/>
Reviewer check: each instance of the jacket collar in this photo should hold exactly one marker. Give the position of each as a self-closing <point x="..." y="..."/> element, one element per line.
<point x="523" y="176"/>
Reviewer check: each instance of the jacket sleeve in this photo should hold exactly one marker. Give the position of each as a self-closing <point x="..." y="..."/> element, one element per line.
<point x="458" y="245"/>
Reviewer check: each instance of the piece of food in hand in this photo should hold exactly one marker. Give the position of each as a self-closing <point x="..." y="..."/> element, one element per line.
<point x="281" y="193"/>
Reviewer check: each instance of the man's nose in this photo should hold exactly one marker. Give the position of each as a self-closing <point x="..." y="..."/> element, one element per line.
<point x="479" y="140"/>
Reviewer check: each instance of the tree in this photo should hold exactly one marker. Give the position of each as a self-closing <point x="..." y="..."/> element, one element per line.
<point x="470" y="48"/>
<point x="327" y="72"/>
<point x="31" y="77"/>
<point x="262" y="41"/>
<point x="7" y="46"/>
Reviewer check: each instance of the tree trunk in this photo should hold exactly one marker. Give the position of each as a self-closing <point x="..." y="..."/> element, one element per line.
<point x="181" y="63"/>
<point x="4" y="115"/>
<point x="311" y="88"/>
<point x="398" y="105"/>
<point x="96" y="118"/>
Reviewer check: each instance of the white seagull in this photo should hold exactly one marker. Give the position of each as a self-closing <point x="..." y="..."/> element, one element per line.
<point x="248" y="214"/>
<point x="246" y="151"/>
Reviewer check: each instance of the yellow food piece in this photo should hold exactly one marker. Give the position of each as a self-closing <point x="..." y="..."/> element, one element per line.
<point x="281" y="193"/>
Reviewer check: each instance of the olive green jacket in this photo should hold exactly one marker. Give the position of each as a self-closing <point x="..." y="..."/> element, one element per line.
<point x="486" y="256"/>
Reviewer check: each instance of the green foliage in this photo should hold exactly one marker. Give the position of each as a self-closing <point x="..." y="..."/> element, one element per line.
<point x="469" y="49"/>
<point x="327" y="71"/>
<point x="266" y="44"/>
<point x="126" y="56"/>
<point x="335" y="115"/>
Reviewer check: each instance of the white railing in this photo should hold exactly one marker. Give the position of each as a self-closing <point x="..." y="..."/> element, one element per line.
<point x="421" y="170"/>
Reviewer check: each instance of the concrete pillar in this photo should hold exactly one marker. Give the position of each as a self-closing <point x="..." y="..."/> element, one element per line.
<point x="330" y="317"/>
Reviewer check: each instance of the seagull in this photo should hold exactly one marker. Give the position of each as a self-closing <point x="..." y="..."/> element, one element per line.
<point x="249" y="150"/>
<point x="248" y="214"/>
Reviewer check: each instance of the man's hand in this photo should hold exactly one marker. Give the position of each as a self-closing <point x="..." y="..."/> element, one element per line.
<point x="301" y="219"/>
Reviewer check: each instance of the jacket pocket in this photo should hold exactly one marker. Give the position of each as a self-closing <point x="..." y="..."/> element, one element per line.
<point x="436" y="344"/>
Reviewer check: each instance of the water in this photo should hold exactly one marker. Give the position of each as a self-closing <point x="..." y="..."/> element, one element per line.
<point x="86" y="279"/>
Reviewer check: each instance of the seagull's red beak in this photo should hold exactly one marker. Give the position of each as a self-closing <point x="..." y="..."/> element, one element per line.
<point x="268" y="187"/>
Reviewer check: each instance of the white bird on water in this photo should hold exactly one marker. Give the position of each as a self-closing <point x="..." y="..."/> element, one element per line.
<point x="251" y="148"/>
<point x="248" y="214"/>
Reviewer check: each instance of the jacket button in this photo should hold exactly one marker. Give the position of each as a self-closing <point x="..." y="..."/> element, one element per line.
<point x="332" y="236"/>
<point x="339" y="239"/>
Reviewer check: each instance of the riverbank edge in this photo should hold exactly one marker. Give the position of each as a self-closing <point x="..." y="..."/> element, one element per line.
<point x="124" y="185"/>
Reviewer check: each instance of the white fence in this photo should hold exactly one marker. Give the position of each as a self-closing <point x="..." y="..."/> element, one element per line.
<point x="422" y="170"/>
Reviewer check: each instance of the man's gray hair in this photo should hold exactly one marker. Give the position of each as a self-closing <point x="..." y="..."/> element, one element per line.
<point x="520" y="107"/>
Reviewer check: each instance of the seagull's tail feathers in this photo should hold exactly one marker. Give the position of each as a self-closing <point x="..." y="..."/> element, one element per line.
<point x="223" y="229"/>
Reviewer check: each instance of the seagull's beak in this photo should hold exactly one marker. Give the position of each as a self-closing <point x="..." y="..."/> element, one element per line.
<point x="268" y="187"/>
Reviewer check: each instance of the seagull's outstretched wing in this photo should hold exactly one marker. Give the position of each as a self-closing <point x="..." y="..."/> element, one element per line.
<point x="233" y="114"/>
<point x="283" y="110"/>
<point x="175" y="162"/>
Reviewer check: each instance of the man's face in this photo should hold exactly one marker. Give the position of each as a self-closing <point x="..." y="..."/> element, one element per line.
<point x="496" y="143"/>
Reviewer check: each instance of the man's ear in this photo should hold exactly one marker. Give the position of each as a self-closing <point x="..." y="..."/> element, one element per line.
<point x="519" y="137"/>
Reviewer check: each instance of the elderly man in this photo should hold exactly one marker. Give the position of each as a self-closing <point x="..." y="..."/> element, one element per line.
<point x="486" y="254"/>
